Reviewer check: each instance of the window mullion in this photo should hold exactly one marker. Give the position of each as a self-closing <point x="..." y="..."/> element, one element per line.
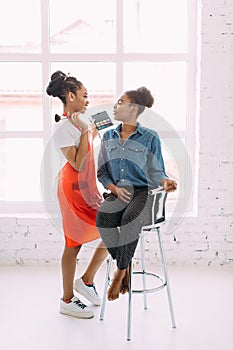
<point x="45" y="50"/>
<point x="21" y="134"/>
<point x="45" y="66"/>
<point x="120" y="48"/>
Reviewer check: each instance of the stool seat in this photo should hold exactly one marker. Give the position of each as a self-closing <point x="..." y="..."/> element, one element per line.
<point x="159" y="197"/>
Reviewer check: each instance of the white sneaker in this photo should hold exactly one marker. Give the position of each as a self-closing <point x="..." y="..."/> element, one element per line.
<point x="89" y="292"/>
<point x="75" y="308"/>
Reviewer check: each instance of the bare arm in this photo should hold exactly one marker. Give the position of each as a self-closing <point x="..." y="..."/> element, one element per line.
<point x="76" y="156"/>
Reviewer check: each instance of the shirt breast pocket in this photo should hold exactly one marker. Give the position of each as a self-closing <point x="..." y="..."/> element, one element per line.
<point x="138" y="155"/>
<point x="112" y="151"/>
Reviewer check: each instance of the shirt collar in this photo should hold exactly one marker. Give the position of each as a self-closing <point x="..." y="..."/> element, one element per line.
<point x="138" y="130"/>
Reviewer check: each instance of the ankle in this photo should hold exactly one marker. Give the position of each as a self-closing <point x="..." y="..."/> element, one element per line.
<point x="120" y="272"/>
<point x="67" y="298"/>
<point x="87" y="280"/>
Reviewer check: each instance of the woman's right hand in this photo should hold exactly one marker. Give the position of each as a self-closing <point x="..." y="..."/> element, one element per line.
<point x="123" y="194"/>
<point x="94" y="131"/>
<point x="78" y="122"/>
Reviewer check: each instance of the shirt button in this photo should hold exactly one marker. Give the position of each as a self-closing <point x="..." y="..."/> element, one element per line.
<point x="123" y="149"/>
<point x="122" y="169"/>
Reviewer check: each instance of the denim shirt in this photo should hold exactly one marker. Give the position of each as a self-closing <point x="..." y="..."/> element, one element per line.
<point x="137" y="161"/>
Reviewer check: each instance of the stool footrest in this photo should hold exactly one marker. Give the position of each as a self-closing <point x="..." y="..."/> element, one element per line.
<point x="149" y="290"/>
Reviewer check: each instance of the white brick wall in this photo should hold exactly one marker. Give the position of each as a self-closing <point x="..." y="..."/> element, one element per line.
<point x="207" y="238"/>
<point x="33" y="240"/>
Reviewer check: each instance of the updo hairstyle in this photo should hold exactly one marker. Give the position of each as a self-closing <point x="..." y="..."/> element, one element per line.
<point x="142" y="97"/>
<point x="61" y="84"/>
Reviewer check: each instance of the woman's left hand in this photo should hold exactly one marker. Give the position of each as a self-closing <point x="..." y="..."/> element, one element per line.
<point x="169" y="185"/>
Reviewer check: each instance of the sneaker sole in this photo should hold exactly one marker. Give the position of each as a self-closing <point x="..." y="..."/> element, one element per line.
<point x="73" y="314"/>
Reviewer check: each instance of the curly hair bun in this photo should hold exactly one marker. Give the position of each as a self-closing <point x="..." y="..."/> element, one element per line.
<point x="55" y="84"/>
<point x="146" y="96"/>
<point x="58" y="74"/>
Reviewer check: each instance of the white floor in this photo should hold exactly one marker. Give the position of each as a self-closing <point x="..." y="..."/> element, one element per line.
<point x="202" y="296"/>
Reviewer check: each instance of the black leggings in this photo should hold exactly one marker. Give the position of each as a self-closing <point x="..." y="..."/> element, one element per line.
<point x="120" y="223"/>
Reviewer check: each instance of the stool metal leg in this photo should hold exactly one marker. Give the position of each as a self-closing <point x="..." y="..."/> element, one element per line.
<point x="102" y="312"/>
<point x="164" y="264"/>
<point x="143" y="270"/>
<point x="130" y="302"/>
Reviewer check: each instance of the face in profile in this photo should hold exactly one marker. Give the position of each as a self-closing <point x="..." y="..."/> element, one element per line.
<point x="121" y="109"/>
<point x="81" y="102"/>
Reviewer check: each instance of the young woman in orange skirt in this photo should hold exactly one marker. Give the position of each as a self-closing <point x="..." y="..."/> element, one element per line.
<point x="78" y="196"/>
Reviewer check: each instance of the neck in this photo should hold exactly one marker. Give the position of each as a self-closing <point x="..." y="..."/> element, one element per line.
<point x="128" y="127"/>
<point x="68" y="112"/>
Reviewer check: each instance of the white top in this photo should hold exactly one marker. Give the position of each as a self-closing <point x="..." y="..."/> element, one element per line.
<point x="66" y="134"/>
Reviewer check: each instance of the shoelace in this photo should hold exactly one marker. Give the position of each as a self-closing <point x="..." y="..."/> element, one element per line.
<point x="79" y="303"/>
<point x="95" y="290"/>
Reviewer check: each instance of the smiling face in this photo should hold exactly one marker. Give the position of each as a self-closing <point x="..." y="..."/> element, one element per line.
<point x="78" y="102"/>
<point x="122" y="109"/>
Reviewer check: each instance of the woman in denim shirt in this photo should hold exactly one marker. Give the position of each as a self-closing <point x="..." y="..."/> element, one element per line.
<point x="130" y="162"/>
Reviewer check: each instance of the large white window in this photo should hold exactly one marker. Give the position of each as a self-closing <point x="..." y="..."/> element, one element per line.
<point x="112" y="46"/>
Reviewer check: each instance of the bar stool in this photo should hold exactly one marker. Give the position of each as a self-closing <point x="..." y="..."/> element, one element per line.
<point x="158" y="197"/>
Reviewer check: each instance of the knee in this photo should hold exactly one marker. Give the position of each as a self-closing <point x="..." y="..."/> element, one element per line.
<point x="72" y="251"/>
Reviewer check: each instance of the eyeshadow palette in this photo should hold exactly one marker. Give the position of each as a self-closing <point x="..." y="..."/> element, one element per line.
<point x="101" y="120"/>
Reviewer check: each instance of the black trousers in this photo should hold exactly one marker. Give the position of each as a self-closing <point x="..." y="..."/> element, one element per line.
<point x="120" y="223"/>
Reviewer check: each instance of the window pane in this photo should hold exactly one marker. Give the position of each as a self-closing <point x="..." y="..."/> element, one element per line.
<point x="155" y="26"/>
<point x="167" y="82"/>
<point x="20" y="169"/>
<point x="20" y="96"/>
<point x="174" y="154"/>
<point x="83" y="26"/>
<point x="20" y="26"/>
<point x="173" y="148"/>
<point x="98" y="78"/>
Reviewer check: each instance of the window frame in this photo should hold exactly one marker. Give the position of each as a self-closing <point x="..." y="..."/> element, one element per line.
<point x="119" y="57"/>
